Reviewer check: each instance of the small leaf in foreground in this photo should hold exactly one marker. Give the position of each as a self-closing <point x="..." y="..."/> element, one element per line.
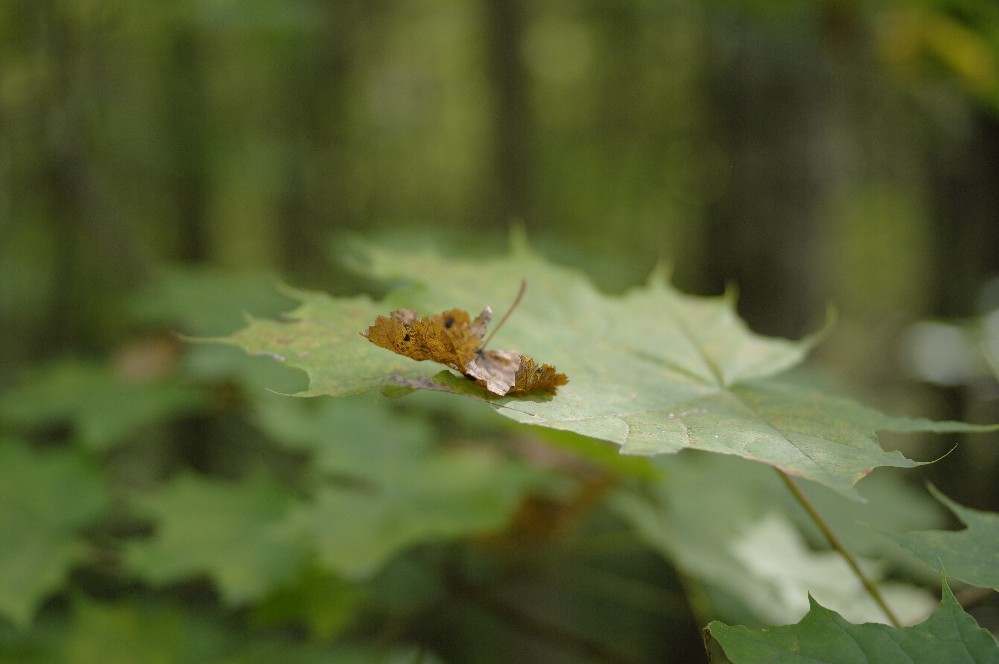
<point x="949" y="635"/>
<point x="970" y="555"/>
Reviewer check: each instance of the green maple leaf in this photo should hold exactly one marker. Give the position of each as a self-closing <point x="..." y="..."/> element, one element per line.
<point x="654" y="370"/>
<point x="237" y="533"/>
<point x="969" y="555"/>
<point x="45" y="500"/>
<point x="949" y="635"/>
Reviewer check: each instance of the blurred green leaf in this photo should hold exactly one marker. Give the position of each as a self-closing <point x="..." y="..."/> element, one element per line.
<point x="101" y="405"/>
<point x="150" y="632"/>
<point x="949" y="635"/>
<point x="236" y="533"/>
<point x="129" y="632"/>
<point x="772" y="553"/>
<point x="258" y="377"/>
<point x="654" y="370"/>
<point x="400" y="487"/>
<point x="206" y="301"/>
<point x="321" y="601"/>
<point x="969" y="555"/>
<point x="39" y="645"/>
<point x="45" y="500"/>
<point x="693" y="513"/>
<point x="891" y="503"/>
<point x="362" y="436"/>
<point x="258" y="651"/>
<point x="421" y="497"/>
<point x="722" y="523"/>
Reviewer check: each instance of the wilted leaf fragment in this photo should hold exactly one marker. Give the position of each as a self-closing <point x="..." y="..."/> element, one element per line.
<point x="949" y="635"/>
<point x="503" y="371"/>
<point x="452" y="338"/>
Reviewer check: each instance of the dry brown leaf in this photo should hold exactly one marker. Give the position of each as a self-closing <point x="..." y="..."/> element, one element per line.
<point x="531" y="376"/>
<point x="454" y="339"/>
<point x="503" y="372"/>
<point x="451" y="338"/>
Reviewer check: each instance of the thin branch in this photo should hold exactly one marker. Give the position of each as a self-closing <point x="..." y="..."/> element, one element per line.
<point x="837" y="544"/>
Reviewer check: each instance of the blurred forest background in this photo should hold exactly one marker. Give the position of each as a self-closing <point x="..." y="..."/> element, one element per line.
<point x="810" y="153"/>
<point x="840" y="152"/>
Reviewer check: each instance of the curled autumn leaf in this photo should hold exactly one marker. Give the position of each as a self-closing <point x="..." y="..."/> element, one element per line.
<point x="451" y="338"/>
<point x="454" y="339"/>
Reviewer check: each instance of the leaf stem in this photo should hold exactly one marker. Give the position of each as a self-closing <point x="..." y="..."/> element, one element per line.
<point x="837" y="544"/>
<point x="516" y="301"/>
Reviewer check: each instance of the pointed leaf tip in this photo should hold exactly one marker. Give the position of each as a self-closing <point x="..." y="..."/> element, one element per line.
<point x="661" y="275"/>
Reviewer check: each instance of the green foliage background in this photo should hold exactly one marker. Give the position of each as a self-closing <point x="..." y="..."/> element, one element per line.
<point x="164" y="166"/>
